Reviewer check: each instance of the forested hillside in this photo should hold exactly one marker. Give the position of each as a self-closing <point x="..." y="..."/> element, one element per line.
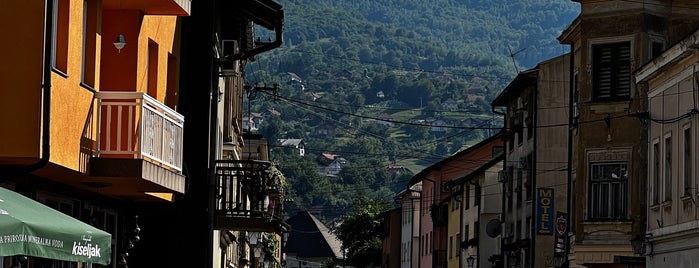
<point x="397" y="82"/>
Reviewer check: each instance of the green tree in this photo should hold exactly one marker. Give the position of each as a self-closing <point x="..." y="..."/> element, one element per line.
<point x="361" y="232"/>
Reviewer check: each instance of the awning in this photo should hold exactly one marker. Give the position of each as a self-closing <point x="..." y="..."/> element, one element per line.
<point x="30" y="228"/>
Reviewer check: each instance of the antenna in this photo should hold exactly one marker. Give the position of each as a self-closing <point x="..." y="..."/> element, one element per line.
<point x="512" y="55"/>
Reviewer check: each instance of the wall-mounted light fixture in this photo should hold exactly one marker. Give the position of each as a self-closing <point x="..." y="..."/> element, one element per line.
<point x="120" y="42"/>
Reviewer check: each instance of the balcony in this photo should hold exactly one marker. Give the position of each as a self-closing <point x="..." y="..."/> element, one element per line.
<point x="138" y="147"/>
<point x="152" y="7"/>
<point x="249" y="196"/>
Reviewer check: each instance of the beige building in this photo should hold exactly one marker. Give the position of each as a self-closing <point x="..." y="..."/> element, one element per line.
<point x="609" y="41"/>
<point x="672" y="237"/>
<point x="534" y="174"/>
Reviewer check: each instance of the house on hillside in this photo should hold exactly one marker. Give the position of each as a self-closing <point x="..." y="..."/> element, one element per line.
<point x="397" y="170"/>
<point x="450" y="105"/>
<point x="385" y="119"/>
<point x="297" y="144"/>
<point x="437" y="125"/>
<point x="330" y="165"/>
<point x="270" y="112"/>
<point x="293" y="78"/>
<point x="324" y="130"/>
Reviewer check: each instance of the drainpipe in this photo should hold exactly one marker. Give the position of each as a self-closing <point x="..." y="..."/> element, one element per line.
<point x="46" y="98"/>
<point x="569" y="186"/>
<point x="533" y="183"/>
<point x="213" y="139"/>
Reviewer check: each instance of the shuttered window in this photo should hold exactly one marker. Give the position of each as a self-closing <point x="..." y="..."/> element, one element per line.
<point x="611" y="71"/>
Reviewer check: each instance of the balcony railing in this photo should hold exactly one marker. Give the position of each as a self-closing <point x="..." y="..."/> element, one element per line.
<point x="249" y="194"/>
<point x="135" y="125"/>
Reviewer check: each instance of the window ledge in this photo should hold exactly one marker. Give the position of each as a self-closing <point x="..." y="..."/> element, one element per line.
<point x="655" y="207"/>
<point x="666" y="205"/>
<point x="605" y="107"/>
<point x="686" y="198"/>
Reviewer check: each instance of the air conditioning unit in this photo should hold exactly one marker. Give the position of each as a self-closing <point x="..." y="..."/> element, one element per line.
<point x="229" y="48"/>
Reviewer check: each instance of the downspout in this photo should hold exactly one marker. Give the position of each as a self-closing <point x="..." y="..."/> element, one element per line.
<point x="569" y="186"/>
<point x="46" y="97"/>
<point x="213" y="145"/>
<point x="532" y="167"/>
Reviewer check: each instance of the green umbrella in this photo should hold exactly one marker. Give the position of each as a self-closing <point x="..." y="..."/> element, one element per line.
<point x="30" y="228"/>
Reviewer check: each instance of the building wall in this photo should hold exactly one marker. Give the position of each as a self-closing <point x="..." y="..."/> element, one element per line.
<point x="551" y="155"/>
<point x="426" y="245"/>
<point x="672" y="212"/>
<point x="606" y="132"/>
<point x="72" y="104"/>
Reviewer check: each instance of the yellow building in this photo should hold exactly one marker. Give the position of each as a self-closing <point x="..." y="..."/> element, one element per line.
<point x="89" y="117"/>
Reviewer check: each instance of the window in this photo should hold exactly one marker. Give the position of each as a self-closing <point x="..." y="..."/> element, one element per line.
<point x="687" y="176"/>
<point x="458" y="244"/>
<point x="608" y="184"/>
<point x="451" y="247"/>
<point x="477" y="196"/>
<point x="667" y="175"/>
<point x="518" y="189"/>
<point x="467" y="197"/>
<point x="59" y="59"/>
<point x="529" y="120"/>
<point x="152" y="68"/>
<point x="91" y="11"/>
<point x="655" y="186"/>
<point x="466" y="233"/>
<point x="529" y="192"/>
<point x="657" y="46"/>
<point x="611" y="67"/>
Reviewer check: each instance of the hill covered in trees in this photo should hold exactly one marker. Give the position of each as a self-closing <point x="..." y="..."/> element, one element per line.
<point x="397" y="82"/>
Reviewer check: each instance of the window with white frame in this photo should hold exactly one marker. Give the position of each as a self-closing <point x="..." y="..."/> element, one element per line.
<point x="608" y="191"/>
<point x="667" y="168"/>
<point x="611" y="71"/>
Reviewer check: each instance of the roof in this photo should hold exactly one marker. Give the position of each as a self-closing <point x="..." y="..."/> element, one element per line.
<point x="437" y="166"/>
<point x="523" y="79"/>
<point x="309" y="238"/>
<point x="290" y="142"/>
<point x="476" y="172"/>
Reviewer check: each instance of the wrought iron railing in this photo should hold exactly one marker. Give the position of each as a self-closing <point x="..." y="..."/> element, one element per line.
<point x="135" y="125"/>
<point x="248" y="189"/>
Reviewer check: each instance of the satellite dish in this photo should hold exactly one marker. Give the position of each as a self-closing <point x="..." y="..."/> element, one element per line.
<point x="494" y="228"/>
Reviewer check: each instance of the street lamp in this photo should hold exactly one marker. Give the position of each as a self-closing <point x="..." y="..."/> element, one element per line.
<point x="470" y="260"/>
